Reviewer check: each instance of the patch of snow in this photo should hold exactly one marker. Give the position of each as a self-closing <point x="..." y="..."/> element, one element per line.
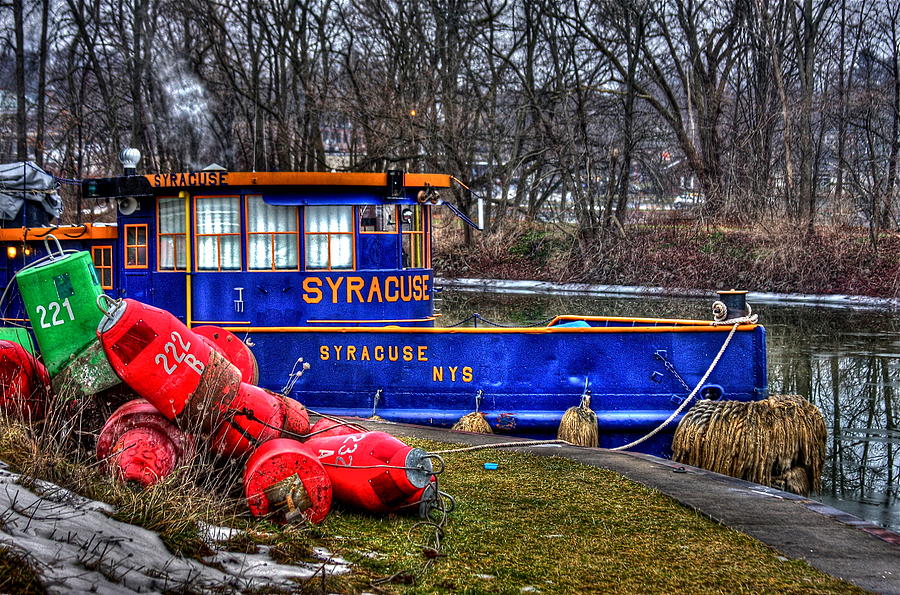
<point x="76" y="547"/>
<point x="213" y="534"/>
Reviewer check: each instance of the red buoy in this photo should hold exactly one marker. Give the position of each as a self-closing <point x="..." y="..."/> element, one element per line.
<point x="329" y="427"/>
<point x="167" y="364"/>
<point x="141" y="445"/>
<point x="253" y="416"/>
<point x="23" y="382"/>
<point x="372" y="470"/>
<point x="282" y="477"/>
<point x="256" y="415"/>
<point x="296" y="417"/>
<point x="234" y="350"/>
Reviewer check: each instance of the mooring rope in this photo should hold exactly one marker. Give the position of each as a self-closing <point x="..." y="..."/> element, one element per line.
<point x="691" y="396"/>
<point x="522" y="443"/>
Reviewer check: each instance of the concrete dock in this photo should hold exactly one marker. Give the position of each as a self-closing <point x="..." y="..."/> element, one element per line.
<point x="834" y="542"/>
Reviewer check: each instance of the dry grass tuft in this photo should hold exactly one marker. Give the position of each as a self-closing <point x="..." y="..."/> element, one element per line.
<point x="17" y="574"/>
<point x="473" y="422"/>
<point x="778" y="442"/>
<point x="578" y="425"/>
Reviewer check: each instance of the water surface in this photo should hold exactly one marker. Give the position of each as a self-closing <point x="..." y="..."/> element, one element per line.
<point x="846" y="362"/>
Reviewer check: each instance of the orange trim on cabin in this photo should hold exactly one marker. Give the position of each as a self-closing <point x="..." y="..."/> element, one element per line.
<point x="234" y="179"/>
<point x="79" y="232"/>
<point x="490" y="330"/>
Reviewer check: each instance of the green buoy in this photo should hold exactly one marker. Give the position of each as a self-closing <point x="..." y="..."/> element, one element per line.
<point x="60" y="295"/>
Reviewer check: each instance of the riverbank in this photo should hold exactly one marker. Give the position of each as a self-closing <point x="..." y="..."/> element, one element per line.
<point x="853" y="302"/>
<point x="683" y="254"/>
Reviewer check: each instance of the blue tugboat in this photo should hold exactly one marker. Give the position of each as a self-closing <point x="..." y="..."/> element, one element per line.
<point x="328" y="276"/>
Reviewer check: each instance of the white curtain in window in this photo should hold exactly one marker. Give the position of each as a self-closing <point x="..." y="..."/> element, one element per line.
<point x="335" y="221"/>
<point x="264" y="219"/>
<point x="317" y="251"/>
<point x="171" y="249"/>
<point x="171" y="215"/>
<point x="219" y="215"/>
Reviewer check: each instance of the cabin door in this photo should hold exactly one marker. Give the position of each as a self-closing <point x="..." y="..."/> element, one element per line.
<point x="136" y="280"/>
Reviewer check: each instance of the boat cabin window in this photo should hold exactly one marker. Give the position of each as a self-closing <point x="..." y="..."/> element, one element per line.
<point x="218" y="221"/>
<point x="272" y="237"/>
<point x="136" y="246"/>
<point x="328" y="235"/>
<point x="414" y="246"/>
<point x="171" y="253"/>
<point x="102" y="257"/>
<point x="378" y="219"/>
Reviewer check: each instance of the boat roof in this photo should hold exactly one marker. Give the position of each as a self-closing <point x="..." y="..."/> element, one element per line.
<point x="221" y="180"/>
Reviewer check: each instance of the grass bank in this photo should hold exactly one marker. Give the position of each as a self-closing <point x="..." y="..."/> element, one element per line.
<point x="681" y="253"/>
<point x="536" y="524"/>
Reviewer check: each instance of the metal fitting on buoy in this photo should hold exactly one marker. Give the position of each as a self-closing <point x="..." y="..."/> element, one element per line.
<point x="373" y="470"/>
<point x="283" y="479"/>
<point x="141" y="445"/>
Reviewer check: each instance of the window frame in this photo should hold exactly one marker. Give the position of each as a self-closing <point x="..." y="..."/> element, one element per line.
<point x="352" y="233"/>
<point x="196" y="236"/>
<point x="137" y="246"/>
<point x="108" y="250"/>
<point x="249" y="233"/>
<point x="160" y="235"/>
<point x="359" y="220"/>
<point x="424" y="236"/>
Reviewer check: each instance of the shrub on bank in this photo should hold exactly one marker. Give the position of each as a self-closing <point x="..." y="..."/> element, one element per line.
<point x="680" y="254"/>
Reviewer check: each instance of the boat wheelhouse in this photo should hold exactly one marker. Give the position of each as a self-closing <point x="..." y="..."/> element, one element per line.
<point x="328" y="276"/>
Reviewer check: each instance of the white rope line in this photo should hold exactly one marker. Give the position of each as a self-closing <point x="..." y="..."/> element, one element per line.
<point x="689" y="398"/>
<point x="503" y="445"/>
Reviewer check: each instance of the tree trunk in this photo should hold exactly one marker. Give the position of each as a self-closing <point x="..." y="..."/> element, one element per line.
<point x="39" y="141"/>
<point x="21" y="113"/>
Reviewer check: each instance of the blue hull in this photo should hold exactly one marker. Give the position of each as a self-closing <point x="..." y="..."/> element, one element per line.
<point x="526" y="378"/>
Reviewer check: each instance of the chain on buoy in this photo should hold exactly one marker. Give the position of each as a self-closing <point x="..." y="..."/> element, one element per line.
<point x="256" y="415"/>
<point x="283" y="479"/>
<point x="139" y="444"/>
